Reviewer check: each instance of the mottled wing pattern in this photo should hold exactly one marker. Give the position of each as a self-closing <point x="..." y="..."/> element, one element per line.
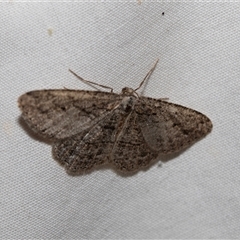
<point x="156" y="127"/>
<point x="59" y="114"/>
<point x="91" y="147"/>
<point x="168" y="127"/>
<point x="91" y="128"/>
<point x="131" y="151"/>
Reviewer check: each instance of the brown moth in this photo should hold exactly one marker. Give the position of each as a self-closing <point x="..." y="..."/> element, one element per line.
<point x="90" y="128"/>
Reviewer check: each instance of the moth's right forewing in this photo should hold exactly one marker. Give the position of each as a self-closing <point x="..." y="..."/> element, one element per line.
<point x="59" y="114"/>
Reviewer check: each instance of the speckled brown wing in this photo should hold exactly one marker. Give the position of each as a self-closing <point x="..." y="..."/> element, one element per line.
<point x="168" y="127"/>
<point x="58" y="114"/>
<point x="93" y="146"/>
<point x="131" y="151"/>
<point x="156" y="127"/>
<point x="90" y="128"/>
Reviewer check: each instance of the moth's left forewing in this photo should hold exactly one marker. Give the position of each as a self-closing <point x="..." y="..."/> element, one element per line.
<point x="169" y="127"/>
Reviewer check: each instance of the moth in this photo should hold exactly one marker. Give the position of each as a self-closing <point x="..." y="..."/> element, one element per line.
<point x="91" y="128"/>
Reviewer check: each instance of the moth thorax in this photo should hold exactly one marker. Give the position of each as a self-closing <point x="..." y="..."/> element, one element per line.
<point x="127" y="103"/>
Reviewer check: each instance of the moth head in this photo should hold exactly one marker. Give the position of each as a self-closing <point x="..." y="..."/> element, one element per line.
<point x="129" y="92"/>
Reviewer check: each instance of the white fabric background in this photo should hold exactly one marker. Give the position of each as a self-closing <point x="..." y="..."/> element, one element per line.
<point x="194" y="195"/>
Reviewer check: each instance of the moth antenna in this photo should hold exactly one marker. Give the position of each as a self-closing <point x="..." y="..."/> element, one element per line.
<point x="147" y="76"/>
<point x="86" y="81"/>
